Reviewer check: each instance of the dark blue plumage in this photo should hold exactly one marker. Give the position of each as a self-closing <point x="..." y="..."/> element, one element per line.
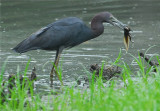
<point x="66" y="33"/>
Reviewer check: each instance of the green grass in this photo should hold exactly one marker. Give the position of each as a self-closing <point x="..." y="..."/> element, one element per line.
<point x="142" y="94"/>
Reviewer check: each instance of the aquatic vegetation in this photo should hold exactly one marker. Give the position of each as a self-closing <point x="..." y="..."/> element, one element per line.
<point x="141" y="92"/>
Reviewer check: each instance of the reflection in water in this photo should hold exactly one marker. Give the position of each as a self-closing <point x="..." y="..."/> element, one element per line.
<point x="20" y="19"/>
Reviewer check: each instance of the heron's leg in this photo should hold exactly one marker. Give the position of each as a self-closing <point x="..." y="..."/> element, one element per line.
<point x="55" y="61"/>
<point x="58" y="53"/>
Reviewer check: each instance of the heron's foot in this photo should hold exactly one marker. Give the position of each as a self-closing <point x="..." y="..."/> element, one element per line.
<point x="58" y="75"/>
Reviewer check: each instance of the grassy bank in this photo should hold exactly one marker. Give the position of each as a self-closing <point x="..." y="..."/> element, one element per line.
<point x="140" y="94"/>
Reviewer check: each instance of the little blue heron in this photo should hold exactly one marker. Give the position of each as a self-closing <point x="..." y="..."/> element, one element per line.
<point x="67" y="33"/>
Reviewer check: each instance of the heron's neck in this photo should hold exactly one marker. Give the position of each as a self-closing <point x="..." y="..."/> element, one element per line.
<point x="97" y="25"/>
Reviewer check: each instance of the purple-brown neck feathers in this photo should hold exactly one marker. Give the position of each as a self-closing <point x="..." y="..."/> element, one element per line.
<point x="97" y="23"/>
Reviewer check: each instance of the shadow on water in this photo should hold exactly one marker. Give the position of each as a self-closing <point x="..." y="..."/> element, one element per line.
<point x="20" y="19"/>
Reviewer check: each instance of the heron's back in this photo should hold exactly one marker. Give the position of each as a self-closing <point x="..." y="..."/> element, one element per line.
<point x="66" y="32"/>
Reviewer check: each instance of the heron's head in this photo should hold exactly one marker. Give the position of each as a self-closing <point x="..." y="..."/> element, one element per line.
<point x="115" y="22"/>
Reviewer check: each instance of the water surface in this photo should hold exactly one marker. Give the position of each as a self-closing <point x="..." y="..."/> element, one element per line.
<point x="19" y="19"/>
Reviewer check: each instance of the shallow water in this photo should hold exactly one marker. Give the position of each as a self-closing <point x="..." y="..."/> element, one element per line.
<point x="20" y="19"/>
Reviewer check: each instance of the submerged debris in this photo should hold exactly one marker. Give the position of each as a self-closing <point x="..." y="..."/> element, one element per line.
<point x="2" y="93"/>
<point x="108" y="71"/>
<point x="152" y="63"/>
<point x="33" y="74"/>
<point x="32" y="78"/>
<point x="11" y="83"/>
<point x="21" y="80"/>
<point x="24" y="82"/>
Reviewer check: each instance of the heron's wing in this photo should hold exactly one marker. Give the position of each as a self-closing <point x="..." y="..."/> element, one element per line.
<point x="50" y="37"/>
<point x="40" y="31"/>
<point x="59" y="35"/>
<point x="63" y="22"/>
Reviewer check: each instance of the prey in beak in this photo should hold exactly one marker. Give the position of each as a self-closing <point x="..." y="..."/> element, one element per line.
<point x="127" y="36"/>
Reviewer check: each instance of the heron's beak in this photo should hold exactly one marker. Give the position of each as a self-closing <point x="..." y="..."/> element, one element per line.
<point x="124" y="27"/>
<point x="117" y="23"/>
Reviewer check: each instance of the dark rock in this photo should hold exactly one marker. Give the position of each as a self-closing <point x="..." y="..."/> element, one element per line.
<point x="108" y="71"/>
